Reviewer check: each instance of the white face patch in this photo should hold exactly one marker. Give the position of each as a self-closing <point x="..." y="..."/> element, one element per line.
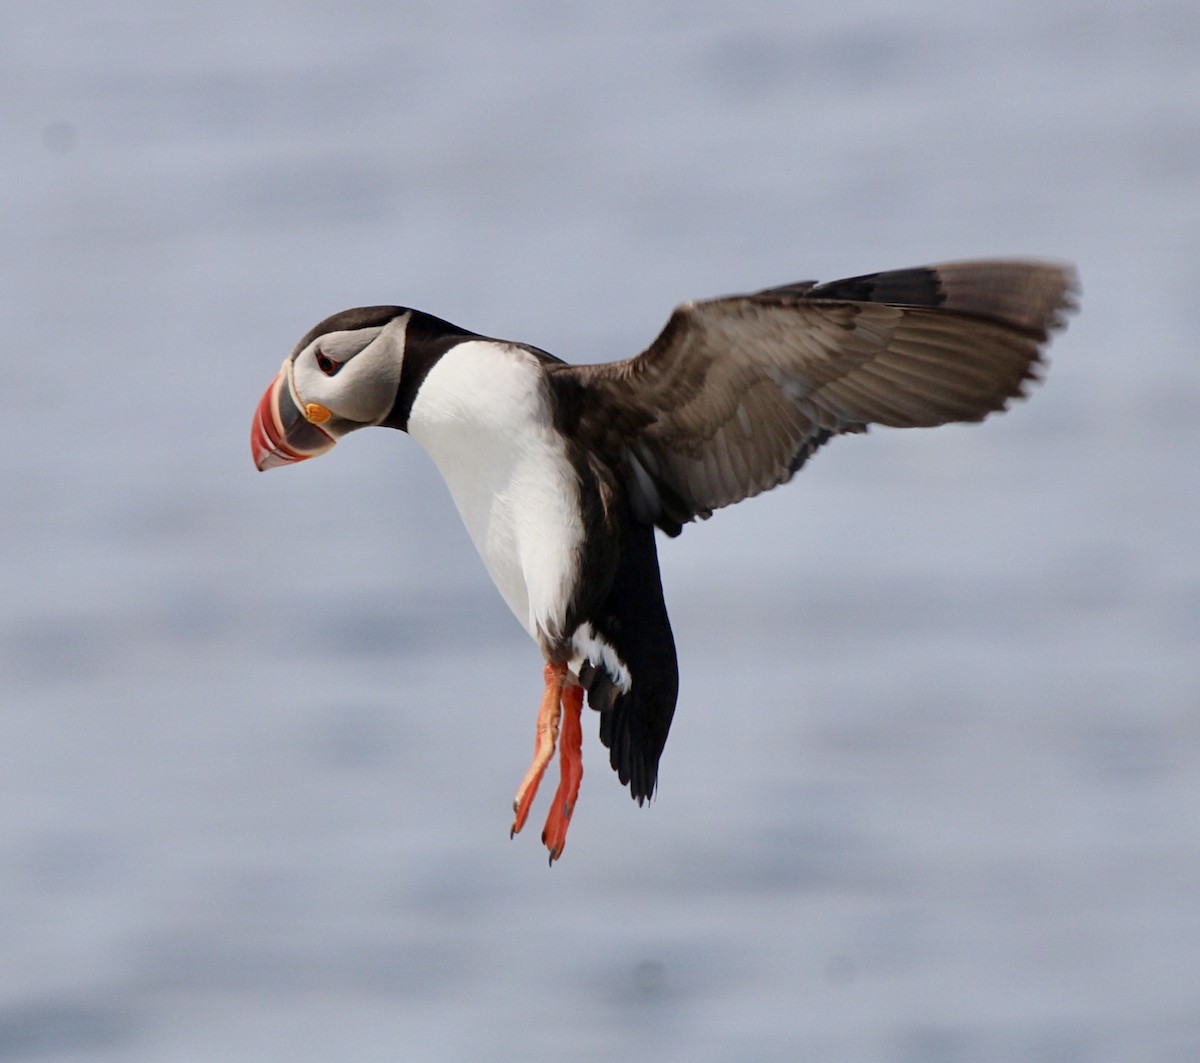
<point x="354" y="373"/>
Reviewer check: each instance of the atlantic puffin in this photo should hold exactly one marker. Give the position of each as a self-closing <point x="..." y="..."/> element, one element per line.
<point x="562" y="473"/>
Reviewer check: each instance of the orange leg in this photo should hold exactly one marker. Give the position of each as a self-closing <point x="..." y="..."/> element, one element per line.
<point x="570" y="767"/>
<point x="547" y="735"/>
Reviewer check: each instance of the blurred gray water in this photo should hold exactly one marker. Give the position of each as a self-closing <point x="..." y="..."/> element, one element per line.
<point x="932" y="789"/>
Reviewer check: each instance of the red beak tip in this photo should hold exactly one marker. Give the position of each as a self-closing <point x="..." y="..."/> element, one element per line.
<point x="285" y="439"/>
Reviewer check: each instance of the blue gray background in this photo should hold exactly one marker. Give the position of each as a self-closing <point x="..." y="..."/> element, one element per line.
<point x="932" y="789"/>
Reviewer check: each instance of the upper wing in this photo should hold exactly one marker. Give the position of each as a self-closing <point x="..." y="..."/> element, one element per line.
<point x="736" y="393"/>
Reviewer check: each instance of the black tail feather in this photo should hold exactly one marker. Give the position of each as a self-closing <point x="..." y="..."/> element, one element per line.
<point x="634" y="723"/>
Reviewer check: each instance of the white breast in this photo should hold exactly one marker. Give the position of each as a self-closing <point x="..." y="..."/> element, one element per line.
<point x="482" y="415"/>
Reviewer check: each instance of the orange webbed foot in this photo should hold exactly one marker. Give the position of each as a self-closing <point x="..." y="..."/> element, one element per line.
<point x="570" y="767"/>
<point x="547" y="735"/>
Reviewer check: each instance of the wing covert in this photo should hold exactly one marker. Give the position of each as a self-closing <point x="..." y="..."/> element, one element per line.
<point x="736" y="393"/>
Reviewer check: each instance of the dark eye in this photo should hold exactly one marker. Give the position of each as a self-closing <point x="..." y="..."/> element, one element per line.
<point x="326" y="364"/>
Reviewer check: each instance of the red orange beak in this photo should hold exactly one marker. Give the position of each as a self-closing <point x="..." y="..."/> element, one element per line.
<point x="283" y="431"/>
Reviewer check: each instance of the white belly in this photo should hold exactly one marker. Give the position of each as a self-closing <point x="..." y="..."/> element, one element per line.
<point x="482" y="417"/>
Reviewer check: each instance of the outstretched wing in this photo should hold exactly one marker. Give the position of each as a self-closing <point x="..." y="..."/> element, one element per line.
<point x="736" y="393"/>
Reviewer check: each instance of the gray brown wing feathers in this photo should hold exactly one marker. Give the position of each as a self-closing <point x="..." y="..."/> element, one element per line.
<point x="736" y="393"/>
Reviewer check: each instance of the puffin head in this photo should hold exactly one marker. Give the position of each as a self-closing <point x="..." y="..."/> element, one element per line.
<point x="345" y="374"/>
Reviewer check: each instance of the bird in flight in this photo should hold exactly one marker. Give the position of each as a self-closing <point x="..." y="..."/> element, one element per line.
<point x="562" y="473"/>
